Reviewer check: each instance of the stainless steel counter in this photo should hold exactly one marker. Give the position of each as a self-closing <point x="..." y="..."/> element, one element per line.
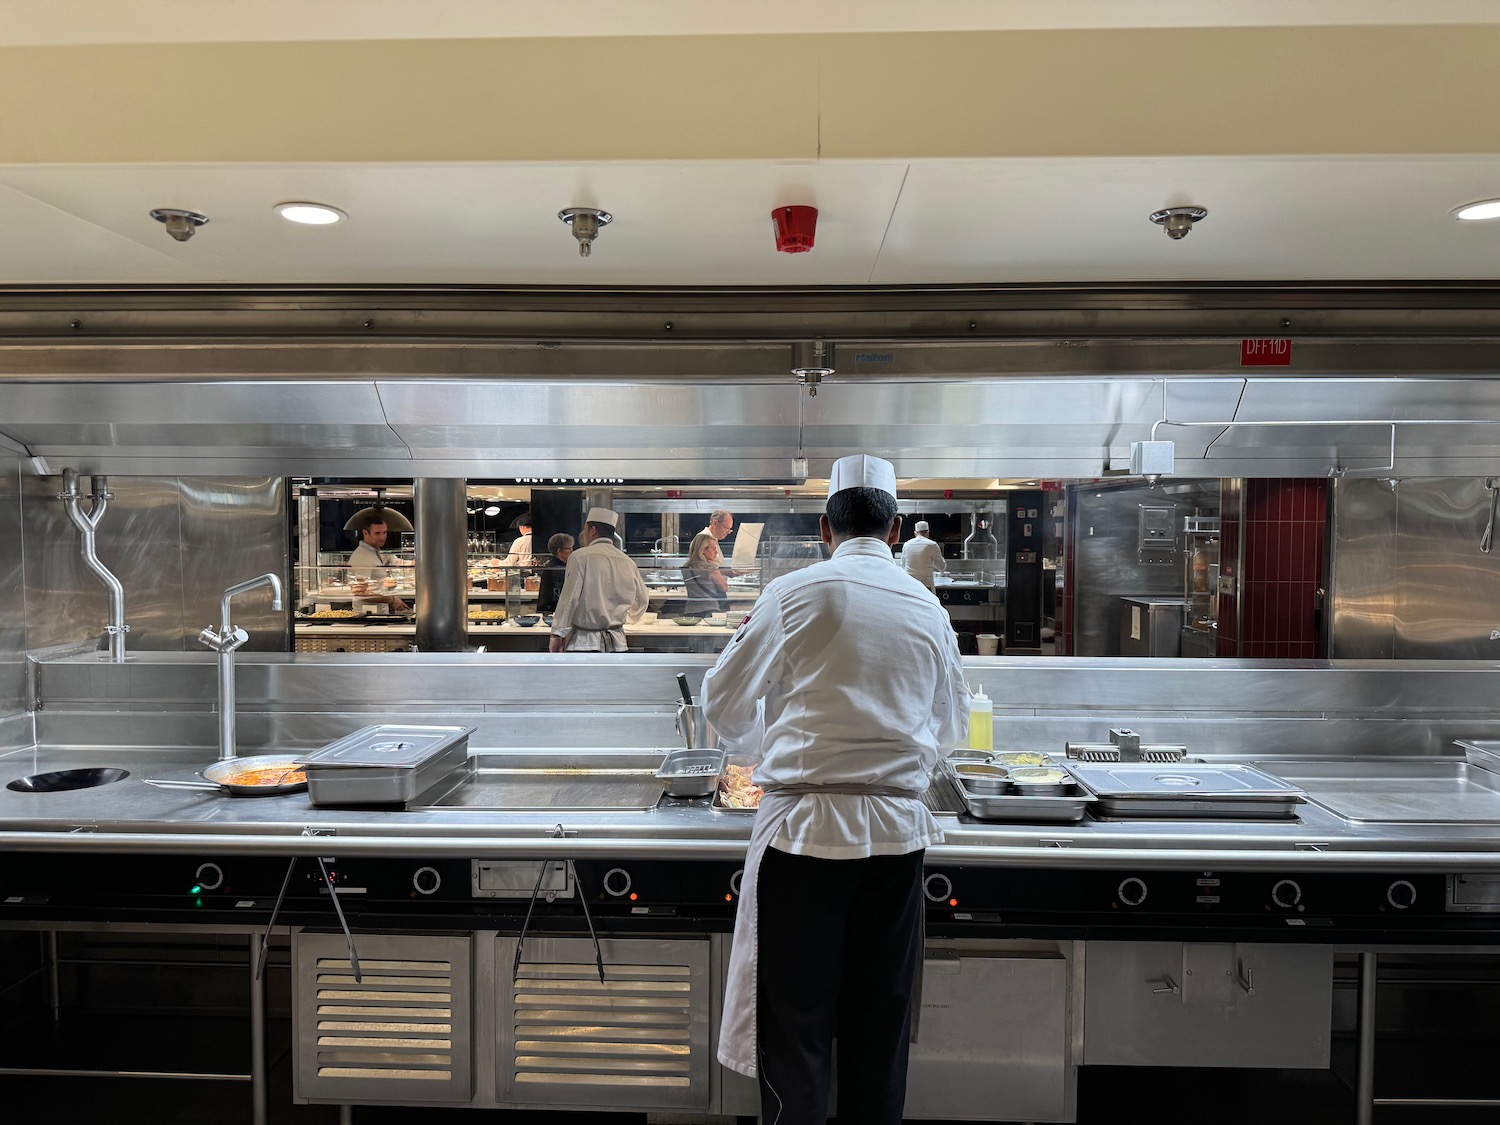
<point x="132" y="816"/>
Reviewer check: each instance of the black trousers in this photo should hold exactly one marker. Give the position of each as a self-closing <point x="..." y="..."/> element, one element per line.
<point x="838" y="942"/>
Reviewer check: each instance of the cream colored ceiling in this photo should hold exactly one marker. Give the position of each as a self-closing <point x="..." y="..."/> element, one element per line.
<point x="1028" y="148"/>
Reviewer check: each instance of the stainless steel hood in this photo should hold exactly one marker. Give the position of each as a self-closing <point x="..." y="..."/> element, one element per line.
<point x="235" y="384"/>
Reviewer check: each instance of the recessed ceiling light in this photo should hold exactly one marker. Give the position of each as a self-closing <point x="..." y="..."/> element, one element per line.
<point x="492" y="510"/>
<point x="310" y="214"/>
<point x="1483" y="209"/>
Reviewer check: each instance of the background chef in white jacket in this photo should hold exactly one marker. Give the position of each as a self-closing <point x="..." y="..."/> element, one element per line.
<point x="921" y="556"/>
<point x="370" y="563"/>
<point x="846" y="679"/>
<point x="602" y="592"/>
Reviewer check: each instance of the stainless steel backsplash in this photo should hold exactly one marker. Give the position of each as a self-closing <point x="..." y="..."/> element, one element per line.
<point x="175" y="543"/>
<point x="1409" y="581"/>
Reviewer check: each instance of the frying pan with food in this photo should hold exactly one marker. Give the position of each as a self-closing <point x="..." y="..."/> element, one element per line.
<point x="261" y="775"/>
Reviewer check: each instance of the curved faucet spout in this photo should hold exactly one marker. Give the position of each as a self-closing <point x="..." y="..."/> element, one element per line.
<point x="245" y="587"/>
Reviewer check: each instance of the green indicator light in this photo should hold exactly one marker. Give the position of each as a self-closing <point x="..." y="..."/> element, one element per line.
<point x="195" y="890"/>
<point x="197" y="902"/>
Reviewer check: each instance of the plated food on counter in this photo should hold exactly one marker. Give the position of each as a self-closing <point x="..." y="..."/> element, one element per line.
<point x="255" y="778"/>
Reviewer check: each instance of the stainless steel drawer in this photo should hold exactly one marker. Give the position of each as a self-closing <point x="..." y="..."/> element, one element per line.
<point x="401" y="1035"/>
<point x="1187" y="1004"/>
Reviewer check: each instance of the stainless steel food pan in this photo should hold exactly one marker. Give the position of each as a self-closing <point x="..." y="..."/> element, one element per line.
<point x="691" y="773"/>
<point x="386" y="764"/>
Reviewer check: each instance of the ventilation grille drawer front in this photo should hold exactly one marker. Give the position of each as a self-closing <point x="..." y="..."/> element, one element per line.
<point x="640" y="1039"/>
<point x="401" y="1035"/>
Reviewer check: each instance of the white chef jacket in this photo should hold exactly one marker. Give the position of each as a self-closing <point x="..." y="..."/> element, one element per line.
<point x="520" y="552"/>
<point x="846" y="674"/>
<point x="921" y="557"/>
<point x="862" y="684"/>
<point x="366" y="562"/>
<point x="602" y="592"/>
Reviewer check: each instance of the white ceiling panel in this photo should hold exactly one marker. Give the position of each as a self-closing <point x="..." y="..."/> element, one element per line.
<point x="44" y="244"/>
<point x="675" y="224"/>
<point x="1269" y="219"/>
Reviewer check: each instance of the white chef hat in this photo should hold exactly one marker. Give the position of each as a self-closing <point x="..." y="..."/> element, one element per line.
<point x="921" y="525"/>
<point x="603" y="515"/>
<point x="862" y="470"/>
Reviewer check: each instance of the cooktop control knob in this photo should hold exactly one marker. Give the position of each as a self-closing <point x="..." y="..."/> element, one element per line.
<point x="617" y="882"/>
<point x="1286" y="894"/>
<point x="426" y="881"/>
<point x="1401" y="894"/>
<point x="210" y="876"/>
<point x="736" y="880"/>
<point x="1132" y="891"/>
<point x="937" y="888"/>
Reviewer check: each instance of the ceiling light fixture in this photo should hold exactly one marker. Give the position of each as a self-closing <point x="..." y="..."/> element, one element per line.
<point x="310" y="214"/>
<point x="1481" y="209"/>
<point x="492" y="510"/>
<point x="585" y="222"/>
<point x="1178" y="221"/>
<point x="180" y="224"/>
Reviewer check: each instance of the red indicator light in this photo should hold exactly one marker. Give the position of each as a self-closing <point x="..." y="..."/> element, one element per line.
<point x="953" y="902"/>
<point x="632" y="896"/>
<point x="728" y="898"/>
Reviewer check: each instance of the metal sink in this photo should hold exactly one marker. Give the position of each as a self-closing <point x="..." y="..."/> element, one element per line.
<point x="68" y="781"/>
<point x="1397" y="791"/>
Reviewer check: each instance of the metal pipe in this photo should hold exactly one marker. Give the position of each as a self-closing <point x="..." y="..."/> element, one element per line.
<point x="442" y="565"/>
<point x="259" y="1101"/>
<point x="1364" y="1080"/>
<point x="54" y="980"/>
<point x="116" y="628"/>
<point x="224" y="642"/>
<point x="541" y="847"/>
<point x="973" y="534"/>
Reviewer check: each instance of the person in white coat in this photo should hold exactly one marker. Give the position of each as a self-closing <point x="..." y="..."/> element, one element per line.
<point x="921" y="557"/>
<point x="602" y="592"/>
<point x="846" y="682"/>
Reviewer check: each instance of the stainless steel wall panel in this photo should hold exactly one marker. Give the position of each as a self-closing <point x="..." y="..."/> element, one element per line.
<point x="12" y="591"/>
<point x="233" y="529"/>
<point x="1409" y="579"/>
<point x="175" y="545"/>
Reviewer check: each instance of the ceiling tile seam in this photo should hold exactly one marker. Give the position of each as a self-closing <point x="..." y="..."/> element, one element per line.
<point x="103" y="229"/>
<point x="890" y="219"/>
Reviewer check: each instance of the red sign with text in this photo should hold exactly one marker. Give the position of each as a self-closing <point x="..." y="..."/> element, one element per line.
<point x="1265" y="353"/>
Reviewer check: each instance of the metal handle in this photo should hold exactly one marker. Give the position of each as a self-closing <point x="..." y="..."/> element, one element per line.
<point x="203" y="786"/>
<point x="1168" y="986"/>
<point x="1246" y="979"/>
<point x="333" y="893"/>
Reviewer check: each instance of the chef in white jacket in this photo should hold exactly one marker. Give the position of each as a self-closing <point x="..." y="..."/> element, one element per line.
<point x="921" y="556"/>
<point x="846" y="682"/>
<point x="602" y="592"/>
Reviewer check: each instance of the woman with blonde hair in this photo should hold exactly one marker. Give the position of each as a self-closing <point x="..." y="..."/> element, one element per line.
<point x="707" y="588"/>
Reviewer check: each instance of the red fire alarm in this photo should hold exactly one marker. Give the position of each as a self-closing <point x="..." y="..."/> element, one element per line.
<point x="795" y="228"/>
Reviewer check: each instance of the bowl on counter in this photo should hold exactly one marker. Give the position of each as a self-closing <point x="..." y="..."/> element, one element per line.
<point x="527" y="620"/>
<point x="686" y="621"/>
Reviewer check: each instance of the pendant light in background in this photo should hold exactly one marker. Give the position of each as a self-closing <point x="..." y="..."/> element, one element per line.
<point x="379" y="513"/>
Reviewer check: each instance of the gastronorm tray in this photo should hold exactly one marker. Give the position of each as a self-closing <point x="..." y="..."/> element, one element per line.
<point x="385" y="764"/>
<point x="1186" y="790"/>
<point x="1017" y="808"/>
<point x="691" y="773"/>
<point x="1481" y="752"/>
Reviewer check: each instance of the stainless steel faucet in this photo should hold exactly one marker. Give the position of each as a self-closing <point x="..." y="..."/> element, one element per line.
<point x="224" y="641"/>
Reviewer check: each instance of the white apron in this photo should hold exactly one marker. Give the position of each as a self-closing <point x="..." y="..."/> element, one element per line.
<point x="737" y="1029"/>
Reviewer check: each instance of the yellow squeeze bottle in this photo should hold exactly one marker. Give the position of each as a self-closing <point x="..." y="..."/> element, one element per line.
<point x="981" y="721"/>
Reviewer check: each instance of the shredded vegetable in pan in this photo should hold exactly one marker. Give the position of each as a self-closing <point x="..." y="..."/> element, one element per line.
<point x="277" y="775"/>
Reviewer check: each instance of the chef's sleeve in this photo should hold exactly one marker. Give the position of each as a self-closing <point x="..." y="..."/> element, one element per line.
<point x="749" y="669"/>
<point x="950" y="703"/>
<point x="567" y="601"/>
<point x="640" y="599"/>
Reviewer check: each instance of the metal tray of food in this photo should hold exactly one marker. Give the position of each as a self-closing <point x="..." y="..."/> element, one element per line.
<point x="1017" y="808"/>
<point x="735" y="780"/>
<point x="691" y="773"/>
<point x="385" y="764"/>
<point x="1188" y="790"/>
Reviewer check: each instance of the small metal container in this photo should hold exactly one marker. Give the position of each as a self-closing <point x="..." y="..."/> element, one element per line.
<point x="982" y="777"/>
<point x="1041" y="781"/>
<point x="691" y="773"/>
<point x="385" y="764"/>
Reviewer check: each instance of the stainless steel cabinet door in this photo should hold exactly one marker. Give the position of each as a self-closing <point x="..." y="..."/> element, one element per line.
<point x="1210" y="1004"/>
<point x="992" y="1042"/>
<point x="638" y="1040"/>
<point x="401" y="1035"/>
